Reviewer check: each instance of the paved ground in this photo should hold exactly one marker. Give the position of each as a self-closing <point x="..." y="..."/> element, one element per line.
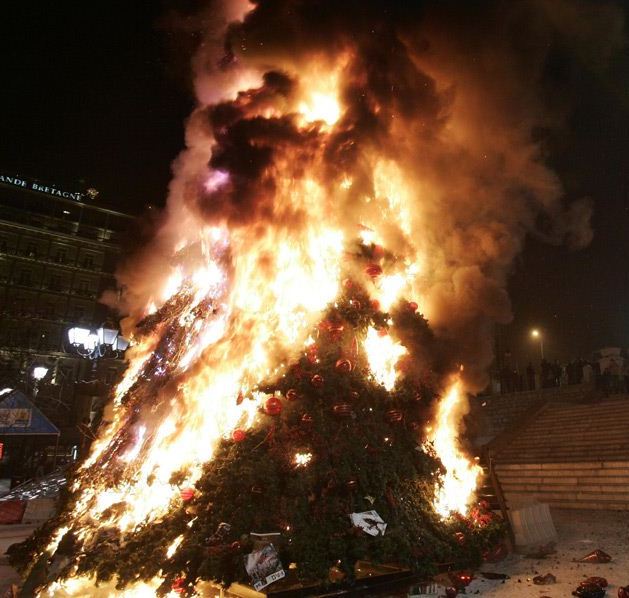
<point x="579" y="532"/>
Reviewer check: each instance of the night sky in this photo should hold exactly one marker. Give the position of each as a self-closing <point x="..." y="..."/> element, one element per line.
<point x="99" y="92"/>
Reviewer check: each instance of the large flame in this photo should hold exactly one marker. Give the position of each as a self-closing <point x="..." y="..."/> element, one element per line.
<point x="455" y="490"/>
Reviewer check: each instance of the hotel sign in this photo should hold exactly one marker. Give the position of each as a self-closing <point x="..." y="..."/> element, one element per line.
<point x="41" y="188"/>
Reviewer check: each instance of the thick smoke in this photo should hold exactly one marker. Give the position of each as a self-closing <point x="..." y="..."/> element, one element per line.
<point x="444" y="109"/>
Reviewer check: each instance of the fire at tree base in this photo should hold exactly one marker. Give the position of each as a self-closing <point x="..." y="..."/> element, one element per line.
<point x="340" y="470"/>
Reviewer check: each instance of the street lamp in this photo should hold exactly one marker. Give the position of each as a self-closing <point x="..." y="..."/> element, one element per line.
<point x="536" y="334"/>
<point x="97" y="343"/>
<point x="38" y="373"/>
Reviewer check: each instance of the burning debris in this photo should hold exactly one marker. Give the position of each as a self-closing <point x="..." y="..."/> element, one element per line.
<point x="348" y="167"/>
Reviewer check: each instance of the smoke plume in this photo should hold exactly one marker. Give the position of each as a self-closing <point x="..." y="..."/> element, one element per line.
<point x="423" y="121"/>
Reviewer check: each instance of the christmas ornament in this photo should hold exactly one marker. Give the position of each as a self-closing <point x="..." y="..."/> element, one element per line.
<point x="306" y="418"/>
<point x="291" y="394"/>
<point x="412" y="306"/>
<point x="375" y="304"/>
<point x="178" y="585"/>
<point x="236" y="546"/>
<point x="240" y="398"/>
<point x="462" y="579"/>
<point x="351" y="484"/>
<point x="377" y="252"/>
<point x="623" y="592"/>
<point x="317" y="381"/>
<point x="590" y="590"/>
<point x="460" y="538"/>
<point x="312" y="354"/>
<point x="394" y="416"/>
<point x="355" y="303"/>
<point x="382" y="332"/>
<point x="596" y="556"/>
<point x="344" y="365"/>
<point x="273" y="406"/>
<point x="238" y="435"/>
<point x="186" y="494"/>
<point x="599" y="581"/>
<point x="373" y="270"/>
<point x="342" y="410"/>
<point x="354" y="395"/>
<point x="451" y="592"/>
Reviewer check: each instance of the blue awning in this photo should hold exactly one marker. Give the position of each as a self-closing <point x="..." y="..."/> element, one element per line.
<point x="20" y="417"/>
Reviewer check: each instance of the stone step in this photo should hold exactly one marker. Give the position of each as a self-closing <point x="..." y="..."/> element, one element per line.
<point x="564" y="478"/>
<point x="591" y="432"/>
<point x="546" y="487"/>
<point x="550" y="456"/>
<point x="553" y="494"/>
<point x="590" y="465"/>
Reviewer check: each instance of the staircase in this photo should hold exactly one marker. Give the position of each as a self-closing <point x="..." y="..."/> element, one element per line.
<point x="567" y="455"/>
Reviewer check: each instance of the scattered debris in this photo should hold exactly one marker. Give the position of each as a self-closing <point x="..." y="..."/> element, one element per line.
<point x="544" y="580"/>
<point x="596" y="556"/>
<point x="589" y="591"/>
<point x="599" y="581"/>
<point x="492" y="575"/>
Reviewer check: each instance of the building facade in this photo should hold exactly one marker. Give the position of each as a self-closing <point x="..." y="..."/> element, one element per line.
<point x="58" y="251"/>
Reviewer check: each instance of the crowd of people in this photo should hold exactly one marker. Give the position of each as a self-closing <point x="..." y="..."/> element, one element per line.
<point x="612" y="377"/>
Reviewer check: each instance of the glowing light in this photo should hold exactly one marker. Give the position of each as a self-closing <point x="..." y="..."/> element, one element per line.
<point x="455" y="490"/>
<point x="321" y="107"/>
<point x="383" y="353"/>
<point x="302" y="459"/>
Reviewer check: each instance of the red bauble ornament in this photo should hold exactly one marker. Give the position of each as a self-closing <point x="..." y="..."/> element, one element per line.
<point x="344" y="365"/>
<point x="236" y="546"/>
<point x="413" y="306"/>
<point x="273" y="406"/>
<point x="382" y="332"/>
<point x="375" y="304"/>
<point x="291" y="394"/>
<point x="394" y="416"/>
<point x="306" y="419"/>
<point x="240" y="398"/>
<point x="186" y="494"/>
<point x="178" y="585"/>
<point x="347" y="283"/>
<point x="373" y="270"/>
<point x="460" y="538"/>
<point x="377" y="252"/>
<point x="238" y="435"/>
<point x="462" y="579"/>
<point x="451" y="592"/>
<point x="599" y="581"/>
<point x="312" y="354"/>
<point x="317" y="381"/>
<point x="342" y="410"/>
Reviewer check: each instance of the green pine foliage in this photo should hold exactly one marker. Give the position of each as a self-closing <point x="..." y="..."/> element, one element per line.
<point x="367" y="453"/>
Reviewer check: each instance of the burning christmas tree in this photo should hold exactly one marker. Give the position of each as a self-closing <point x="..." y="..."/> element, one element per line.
<point x="345" y="173"/>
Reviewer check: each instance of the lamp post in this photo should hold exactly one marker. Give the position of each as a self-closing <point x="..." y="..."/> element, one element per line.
<point x="536" y="334"/>
<point x="95" y="344"/>
<point x="38" y="373"/>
